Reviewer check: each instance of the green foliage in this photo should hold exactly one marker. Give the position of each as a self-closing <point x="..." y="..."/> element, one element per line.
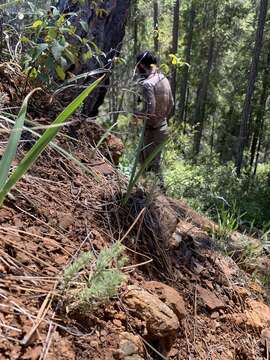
<point x="100" y="279"/>
<point x="10" y="152"/>
<point x="9" y="4"/>
<point x="52" y="45"/>
<point x="228" y="220"/>
<point x="77" y="266"/>
<point x="43" y="141"/>
<point x="211" y="186"/>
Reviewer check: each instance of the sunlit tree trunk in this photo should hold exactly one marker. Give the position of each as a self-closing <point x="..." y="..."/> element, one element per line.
<point x="175" y="37"/>
<point x="156" y="35"/>
<point x="185" y="71"/>
<point x="251" y="83"/>
<point x="135" y="42"/>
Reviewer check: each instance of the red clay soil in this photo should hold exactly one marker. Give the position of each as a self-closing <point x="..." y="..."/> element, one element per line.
<point x="58" y="212"/>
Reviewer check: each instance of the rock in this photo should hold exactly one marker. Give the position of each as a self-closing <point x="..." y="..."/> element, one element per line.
<point x="32" y="353"/>
<point x="170" y="296"/>
<point x="161" y="323"/>
<point x="176" y="239"/>
<point x="215" y="315"/>
<point x="168" y="217"/>
<point x="259" y="314"/>
<point x="242" y="292"/>
<point x="256" y="317"/>
<point x="159" y="318"/>
<point x="65" y="220"/>
<point x="227" y="267"/>
<point x="266" y="335"/>
<point x="209" y="299"/>
<point x="131" y="347"/>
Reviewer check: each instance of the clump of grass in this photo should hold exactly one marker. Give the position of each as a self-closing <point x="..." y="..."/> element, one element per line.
<point x="228" y="222"/>
<point x="90" y="282"/>
<point x="136" y="174"/>
<point x="7" y="182"/>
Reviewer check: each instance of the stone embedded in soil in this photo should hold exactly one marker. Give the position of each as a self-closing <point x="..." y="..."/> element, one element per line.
<point x="161" y="322"/>
<point x="265" y="335"/>
<point x="65" y="220"/>
<point x="168" y="295"/>
<point x="256" y="317"/>
<point x="32" y="353"/>
<point x="209" y="299"/>
<point x="131" y="347"/>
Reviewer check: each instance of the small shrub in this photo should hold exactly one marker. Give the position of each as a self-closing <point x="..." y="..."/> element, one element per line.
<point x="90" y="282"/>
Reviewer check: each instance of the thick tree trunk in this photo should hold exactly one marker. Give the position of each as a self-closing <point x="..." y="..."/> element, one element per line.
<point x="156" y="35"/>
<point x="185" y="72"/>
<point x="251" y="83"/>
<point x="106" y="29"/>
<point x="175" y="37"/>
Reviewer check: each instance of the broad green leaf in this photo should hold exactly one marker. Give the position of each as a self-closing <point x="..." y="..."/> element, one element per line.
<point x="25" y="39"/>
<point x="72" y="57"/>
<point x="52" y="34"/>
<point x="33" y="73"/>
<point x="39" y="50"/>
<point x="60" y="21"/>
<point x="41" y="144"/>
<point x="13" y="141"/>
<point x="60" y="72"/>
<point x="37" y="24"/>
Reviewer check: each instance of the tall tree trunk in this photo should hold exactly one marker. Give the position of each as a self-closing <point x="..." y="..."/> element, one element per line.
<point x="199" y="113"/>
<point x="106" y="31"/>
<point x="175" y="36"/>
<point x="261" y="111"/>
<point x="156" y="34"/>
<point x="251" y="83"/>
<point x="135" y="43"/>
<point x="185" y="72"/>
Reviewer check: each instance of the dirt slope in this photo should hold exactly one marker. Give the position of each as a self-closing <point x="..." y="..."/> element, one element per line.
<point x="182" y="299"/>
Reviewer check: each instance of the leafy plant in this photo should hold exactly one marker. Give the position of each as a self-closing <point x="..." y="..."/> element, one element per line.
<point x="90" y="281"/>
<point x="228" y="221"/>
<point x="41" y="144"/>
<point x="53" y="45"/>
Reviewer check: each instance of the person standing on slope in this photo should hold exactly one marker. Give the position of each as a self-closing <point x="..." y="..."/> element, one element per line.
<point x="157" y="109"/>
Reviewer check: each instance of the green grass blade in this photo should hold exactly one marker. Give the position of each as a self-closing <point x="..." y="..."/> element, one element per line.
<point x="142" y="169"/>
<point x="55" y="146"/>
<point x="136" y="161"/>
<point x="45" y="139"/>
<point x="13" y="141"/>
